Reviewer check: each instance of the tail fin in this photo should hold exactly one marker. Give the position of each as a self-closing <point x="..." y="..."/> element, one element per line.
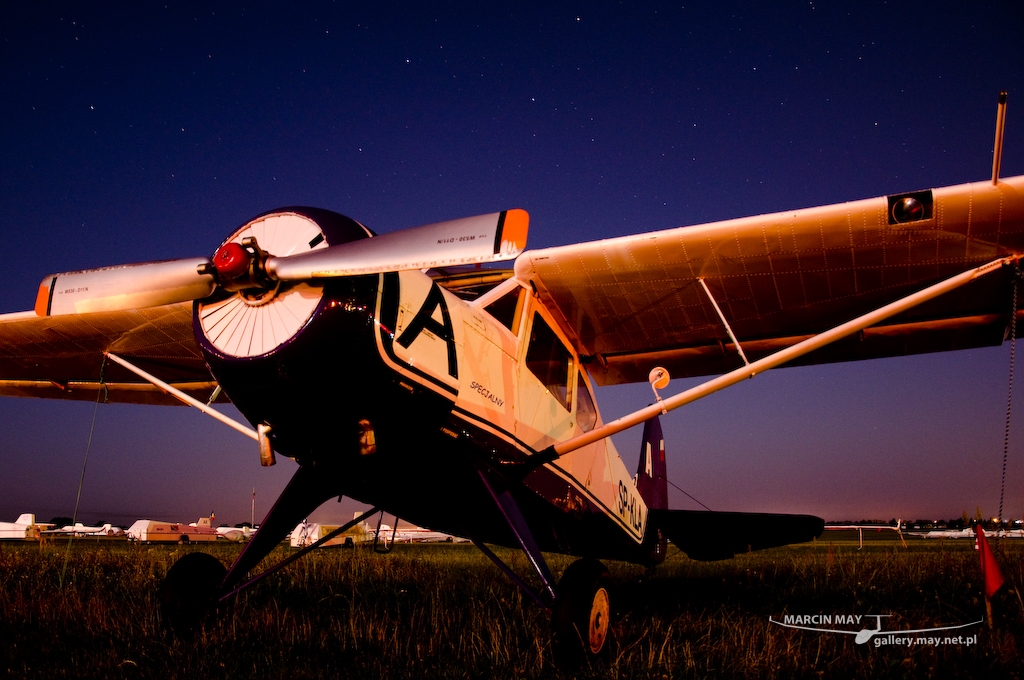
<point x="651" y="479"/>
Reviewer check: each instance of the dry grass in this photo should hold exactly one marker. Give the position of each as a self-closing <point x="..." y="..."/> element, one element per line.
<point x="445" y="611"/>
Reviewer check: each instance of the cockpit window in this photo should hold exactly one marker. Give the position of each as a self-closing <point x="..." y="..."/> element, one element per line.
<point x="508" y="308"/>
<point x="586" y="410"/>
<point x="549" y="360"/>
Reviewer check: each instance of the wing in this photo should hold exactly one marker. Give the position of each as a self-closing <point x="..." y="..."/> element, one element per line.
<point x="635" y="302"/>
<point x="62" y="357"/>
<point x="707" y="536"/>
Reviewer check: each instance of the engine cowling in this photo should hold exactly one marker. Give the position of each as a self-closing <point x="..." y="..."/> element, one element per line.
<point x="256" y="321"/>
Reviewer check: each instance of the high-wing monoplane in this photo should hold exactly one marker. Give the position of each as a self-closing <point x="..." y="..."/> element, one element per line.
<point x="389" y="366"/>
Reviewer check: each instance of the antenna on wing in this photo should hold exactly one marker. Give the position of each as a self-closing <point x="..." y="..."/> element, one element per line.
<point x="997" y="150"/>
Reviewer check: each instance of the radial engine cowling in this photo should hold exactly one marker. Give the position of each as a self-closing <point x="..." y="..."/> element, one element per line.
<point x="255" y="321"/>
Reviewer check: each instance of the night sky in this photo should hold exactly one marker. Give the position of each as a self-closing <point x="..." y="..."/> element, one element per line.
<point x="132" y="133"/>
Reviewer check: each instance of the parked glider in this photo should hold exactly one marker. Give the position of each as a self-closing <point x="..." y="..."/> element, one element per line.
<point x="386" y="374"/>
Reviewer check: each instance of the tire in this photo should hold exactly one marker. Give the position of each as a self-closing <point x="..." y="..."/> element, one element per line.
<point x="581" y="615"/>
<point x="189" y="592"/>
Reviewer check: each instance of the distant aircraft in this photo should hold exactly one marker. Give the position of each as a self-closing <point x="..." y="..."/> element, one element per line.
<point x="421" y="535"/>
<point x="236" y="534"/>
<point x="79" y="529"/>
<point x="23" y="528"/>
<point x="327" y="535"/>
<point x="946" y="533"/>
<point x="306" y="533"/>
<point x="461" y="398"/>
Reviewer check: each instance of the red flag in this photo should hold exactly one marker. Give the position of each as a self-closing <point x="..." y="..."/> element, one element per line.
<point x="989" y="569"/>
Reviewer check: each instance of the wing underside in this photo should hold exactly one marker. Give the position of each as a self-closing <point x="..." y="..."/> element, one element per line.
<point x="708" y="536"/>
<point x="635" y="302"/>
<point x="62" y="357"/>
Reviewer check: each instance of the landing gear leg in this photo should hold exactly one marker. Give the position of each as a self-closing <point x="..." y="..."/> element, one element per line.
<point x="581" y="615"/>
<point x="581" y="607"/>
<point x="197" y="582"/>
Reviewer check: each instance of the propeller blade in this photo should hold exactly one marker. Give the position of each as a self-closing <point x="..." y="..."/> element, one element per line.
<point x="471" y="240"/>
<point x="130" y="286"/>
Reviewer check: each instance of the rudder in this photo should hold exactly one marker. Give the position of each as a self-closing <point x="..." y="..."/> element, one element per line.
<point x="651" y="476"/>
<point x="652" y="485"/>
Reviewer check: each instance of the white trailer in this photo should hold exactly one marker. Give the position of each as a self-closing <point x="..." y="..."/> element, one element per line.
<point x="155" y="531"/>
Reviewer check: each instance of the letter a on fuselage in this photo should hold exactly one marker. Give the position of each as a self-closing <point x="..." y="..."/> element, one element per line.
<point x="424" y="320"/>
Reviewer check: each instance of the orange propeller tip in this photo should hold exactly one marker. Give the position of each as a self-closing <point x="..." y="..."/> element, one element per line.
<point x="515" y="228"/>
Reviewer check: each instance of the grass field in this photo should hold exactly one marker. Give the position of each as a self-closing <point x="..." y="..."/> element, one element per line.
<point x="428" y="611"/>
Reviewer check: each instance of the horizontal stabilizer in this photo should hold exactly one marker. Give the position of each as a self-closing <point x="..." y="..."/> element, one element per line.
<point x="708" y="536"/>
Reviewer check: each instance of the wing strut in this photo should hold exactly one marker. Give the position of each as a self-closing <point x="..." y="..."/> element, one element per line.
<point x="725" y="322"/>
<point x="997" y="149"/>
<point x="770" y="361"/>
<point x="208" y="410"/>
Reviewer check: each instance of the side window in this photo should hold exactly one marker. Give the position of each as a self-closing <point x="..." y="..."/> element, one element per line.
<point x="549" y="360"/>
<point x="508" y="308"/>
<point x="586" y="411"/>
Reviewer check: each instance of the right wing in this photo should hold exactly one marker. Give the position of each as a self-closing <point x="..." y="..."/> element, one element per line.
<point x="635" y="302"/>
<point x="62" y="357"/>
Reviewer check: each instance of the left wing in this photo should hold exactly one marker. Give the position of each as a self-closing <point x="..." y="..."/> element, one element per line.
<point x="631" y="303"/>
<point x="62" y="357"/>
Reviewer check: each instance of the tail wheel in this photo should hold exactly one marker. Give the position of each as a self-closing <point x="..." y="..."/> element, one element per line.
<point x="581" y="616"/>
<point x="188" y="594"/>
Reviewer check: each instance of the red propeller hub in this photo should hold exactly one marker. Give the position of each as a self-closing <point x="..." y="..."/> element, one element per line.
<point x="231" y="260"/>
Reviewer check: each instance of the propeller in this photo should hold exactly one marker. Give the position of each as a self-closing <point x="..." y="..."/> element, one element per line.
<point x="130" y="286"/>
<point x="246" y="266"/>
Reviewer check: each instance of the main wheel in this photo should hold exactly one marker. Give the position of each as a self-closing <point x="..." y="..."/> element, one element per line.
<point x="189" y="592"/>
<point x="581" y="616"/>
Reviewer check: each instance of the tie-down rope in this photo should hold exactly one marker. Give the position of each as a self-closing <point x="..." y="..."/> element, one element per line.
<point x="1009" y="391"/>
<point x="104" y="393"/>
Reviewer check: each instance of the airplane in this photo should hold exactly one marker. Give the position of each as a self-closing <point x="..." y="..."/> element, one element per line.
<point x="422" y="535"/>
<point x="24" y="528"/>
<point x="81" y="530"/>
<point x="381" y="535"/>
<point x="946" y="533"/>
<point x="405" y="534"/>
<point x="306" y="533"/>
<point x="409" y="371"/>
<point x="235" y="534"/>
